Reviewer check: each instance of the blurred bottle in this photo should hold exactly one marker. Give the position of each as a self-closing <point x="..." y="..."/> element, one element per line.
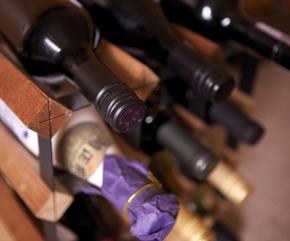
<point x="221" y="20"/>
<point x="240" y="125"/>
<point x="161" y="130"/>
<point x="200" y="202"/>
<point x="142" y="24"/>
<point x="86" y="149"/>
<point x="60" y="35"/>
<point x="95" y="219"/>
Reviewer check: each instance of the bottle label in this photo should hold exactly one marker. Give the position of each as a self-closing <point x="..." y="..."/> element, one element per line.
<point x="26" y="136"/>
<point x="82" y="149"/>
<point x="86" y="160"/>
<point x="273" y="32"/>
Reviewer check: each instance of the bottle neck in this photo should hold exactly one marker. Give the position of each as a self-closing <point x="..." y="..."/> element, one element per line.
<point x="88" y="71"/>
<point x="196" y="161"/>
<point x="115" y="101"/>
<point x="237" y="123"/>
<point x="206" y="79"/>
<point x="148" y="14"/>
<point x="262" y="38"/>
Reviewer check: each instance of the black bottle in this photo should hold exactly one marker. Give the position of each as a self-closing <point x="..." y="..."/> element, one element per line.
<point x="223" y="19"/>
<point x="161" y="130"/>
<point x="142" y="23"/>
<point x="93" y="218"/>
<point x="239" y="124"/>
<point x="61" y="34"/>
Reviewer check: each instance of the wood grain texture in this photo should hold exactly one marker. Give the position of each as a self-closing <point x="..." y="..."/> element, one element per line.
<point x="15" y="225"/>
<point x="204" y="45"/>
<point x="32" y="106"/>
<point x="132" y="72"/>
<point x="243" y="101"/>
<point x="5" y="233"/>
<point x="20" y="168"/>
<point x="128" y="151"/>
<point x="258" y="6"/>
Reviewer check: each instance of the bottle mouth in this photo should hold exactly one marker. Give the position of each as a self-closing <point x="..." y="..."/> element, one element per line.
<point x="223" y="90"/>
<point x="253" y="133"/>
<point x="120" y="107"/>
<point x="129" y="118"/>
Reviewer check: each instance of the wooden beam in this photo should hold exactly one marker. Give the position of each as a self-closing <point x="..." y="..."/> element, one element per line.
<point x="20" y="168"/>
<point x="15" y="224"/>
<point x="131" y="71"/>
<point x="32" y="106"/>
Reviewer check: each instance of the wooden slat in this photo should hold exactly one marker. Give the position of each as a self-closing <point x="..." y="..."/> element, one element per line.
<point x="20" y="168"/>
<point x="14" y="222"/>
<point x="135" y="74"/>
<point x="243" y="101"/>
<point x="32" y="106"/>
<point x="204" y="45"/>
<point x="128" y="151"/>
<point x="212" y="50"/>
<point x="5" y="233"/>
<point x="258" y="6"/>
<point x="44" y="115"/>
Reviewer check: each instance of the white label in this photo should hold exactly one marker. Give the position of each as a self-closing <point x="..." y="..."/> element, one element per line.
<point x="93" y="169"/>
<point x="97" y="177"/>
<point x="273" y="32"/>
<point x="26" y="136"/>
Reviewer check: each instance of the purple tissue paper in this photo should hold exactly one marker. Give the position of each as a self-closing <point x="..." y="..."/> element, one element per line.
<point x="152" y="213"/>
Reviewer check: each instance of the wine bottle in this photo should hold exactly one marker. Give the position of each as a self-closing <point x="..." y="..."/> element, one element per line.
<point x="94" y="218"/>
<point x="60" y="34"/>
<point x="201" y="202"/>
<point x="189" y="227"/>
<point x="86" y="149"/>
<point x="142" y="24"/>
<point x="206" y="204"/>
<point x="189" y="224"/>
<point x="223" y="19"/>
<point x="239" y="124"/>
<point x="160" y="130"/>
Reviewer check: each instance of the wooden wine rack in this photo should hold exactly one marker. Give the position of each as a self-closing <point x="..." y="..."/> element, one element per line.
<point x="41" y="112"/>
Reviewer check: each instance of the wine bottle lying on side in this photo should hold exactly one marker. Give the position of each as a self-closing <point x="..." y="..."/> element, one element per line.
<point x="223" y="19"/>
<point x="93" y="218"/>
<point x="61" y="35"/>
<point x="160" y="130"/>
<point x="131" y="23"/>
<point x="201" y="201"/>
<point x="228" y="114"/>
<point x="85" y="148"/>
<point x="239" y="124"/>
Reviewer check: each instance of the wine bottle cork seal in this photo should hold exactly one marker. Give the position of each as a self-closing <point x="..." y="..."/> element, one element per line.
<point x="230" y="183"/>
<point x="190" y="227"/>
<point x="154" y="183"/>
